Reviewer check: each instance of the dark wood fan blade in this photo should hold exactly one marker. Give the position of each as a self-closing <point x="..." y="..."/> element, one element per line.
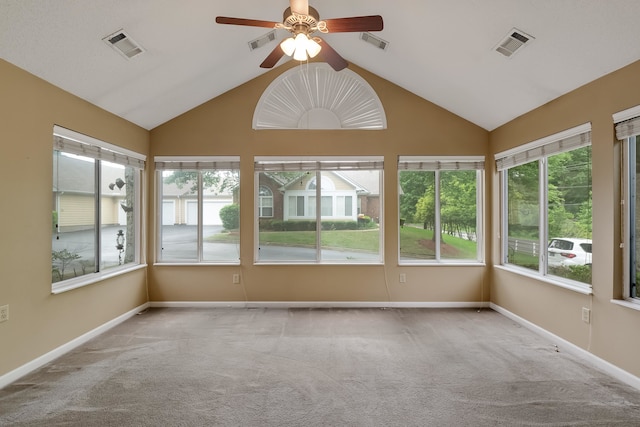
<point x="273" y="57"/>
<point x="332" y="57"/>
<point x="300" y="6"/>
<point x="247" y="22"/>
<point x="355" y="24"/>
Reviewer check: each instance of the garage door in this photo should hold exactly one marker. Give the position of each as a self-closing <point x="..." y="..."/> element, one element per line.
<point x="210" y="212"/>
<point x="168" y="212"/>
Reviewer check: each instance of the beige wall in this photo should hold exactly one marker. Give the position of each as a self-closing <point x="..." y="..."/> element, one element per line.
<point x="222" y="126"/>
<point x="611" y="334"/>
<point x="39" y="321"/>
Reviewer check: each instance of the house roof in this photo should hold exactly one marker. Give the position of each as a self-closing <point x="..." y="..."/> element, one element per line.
<point x="441" y="50"/>
<point x="70" y="175"/>
<point x="366" y="181"/>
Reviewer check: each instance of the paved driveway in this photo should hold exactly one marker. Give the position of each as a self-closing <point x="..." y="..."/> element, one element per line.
<point x="180" y="243"/>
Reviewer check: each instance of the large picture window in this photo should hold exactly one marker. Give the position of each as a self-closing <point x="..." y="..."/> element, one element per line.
<point x="334" y="230"/>
<point x="546" y="207"/>
<point x="96" y="209"/>
<point x="440" y="209"/>
<point x="628" y="131"/>
<point x="199" y="210"/>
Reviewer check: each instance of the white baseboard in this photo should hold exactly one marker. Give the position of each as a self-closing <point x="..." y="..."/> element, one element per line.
<point x="23" y="370"/>
<point x="609" y="368"/>
<point x="315" y="304"/>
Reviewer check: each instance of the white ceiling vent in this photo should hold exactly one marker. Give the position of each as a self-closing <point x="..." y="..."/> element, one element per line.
<point x="261" y="41"/>
<point x="374" y="40"/>
<point x="124" y="44"/>
<point x="515" y="40"/>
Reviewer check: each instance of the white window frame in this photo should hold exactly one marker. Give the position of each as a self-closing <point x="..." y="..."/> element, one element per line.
<point x="316" y="164"/>
<point x="72" y="142"/>
<point x="539" y="150"/>
<point x="627" y="125"/>
<point x="446" y="163"/>
<point x="191" y="163"/>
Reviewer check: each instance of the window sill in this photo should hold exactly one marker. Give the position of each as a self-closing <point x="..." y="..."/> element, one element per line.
<point x="90" y="279"/>
<point x="458" y="263"/>
<point x="194" y="264"/>
<point x="312" y="263"/>
<point x="582" y="289"/>
<point x="631" y="303"/>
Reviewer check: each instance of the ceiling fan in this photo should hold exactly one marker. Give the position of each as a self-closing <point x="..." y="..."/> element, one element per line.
<point x="302" y="20"/>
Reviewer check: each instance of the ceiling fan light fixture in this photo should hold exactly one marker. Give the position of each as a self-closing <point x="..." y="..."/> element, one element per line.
<point x="288" y="46"/>
<point x="313" y="48"/>
<point x="301" y="47"/>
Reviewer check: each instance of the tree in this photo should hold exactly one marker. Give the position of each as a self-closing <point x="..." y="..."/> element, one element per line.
<point x="413" y="184"/>
<point x="425" y="210"/>
<point x="222" y="180"/>
<point x="523" y="200"/>
<point x="458" y="202"/>
<point x="570" y="173"/>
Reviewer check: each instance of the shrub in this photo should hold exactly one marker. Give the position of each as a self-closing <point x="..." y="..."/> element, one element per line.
<point x="339" y="225"/>
<point x="365" y="221"/>
<point x="580" y="273"/>
<point x="230" y="216"/>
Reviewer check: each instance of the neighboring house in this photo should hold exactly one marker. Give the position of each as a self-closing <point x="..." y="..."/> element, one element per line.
<point x="345" y="195"/>
<point x="180" y="205"/>
<point x="73" y="195"/>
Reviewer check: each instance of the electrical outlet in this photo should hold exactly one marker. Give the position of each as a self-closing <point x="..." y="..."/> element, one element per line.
<point x="4" y="313"/>
<point x="586" y="315"/>
<point x="235" y="278"/>
<point x="403" y="278"/>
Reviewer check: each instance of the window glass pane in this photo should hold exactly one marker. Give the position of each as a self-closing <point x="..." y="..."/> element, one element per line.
<point x="265" y="202"/>
<point x="417" y="215"/>
<point x="347" y="236"/>
<point x="348" y="206"/>
<point x="569" y="215"/>
<point x="296" y="206"/>
<point x="458" y="211"/>
<point x="289" y="235"/>
<point x="311" y="211"/>
<point x="221" y="215"/>
<point x="117" y="207"/>
<point x="179" y="227"/>
<point x="523" y="215"/>
<point x="327" y="206"/>
<point x="210" y="211"/>
<point x="73" y="247"/>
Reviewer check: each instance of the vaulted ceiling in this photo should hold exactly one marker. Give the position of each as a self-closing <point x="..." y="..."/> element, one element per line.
<point x="441" y="50"/>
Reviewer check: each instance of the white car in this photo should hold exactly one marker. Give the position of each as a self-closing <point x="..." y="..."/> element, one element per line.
<point x="567" y="251"/>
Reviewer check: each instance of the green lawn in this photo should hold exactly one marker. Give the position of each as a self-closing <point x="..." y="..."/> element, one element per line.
<point x="418" y="243"/>
<point x="415" y="242"/>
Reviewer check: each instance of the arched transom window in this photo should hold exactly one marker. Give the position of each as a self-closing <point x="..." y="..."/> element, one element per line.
<point x="314" y="96"/>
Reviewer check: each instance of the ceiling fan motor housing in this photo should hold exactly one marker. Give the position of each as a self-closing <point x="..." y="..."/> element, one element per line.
<point x="301" y="23"/>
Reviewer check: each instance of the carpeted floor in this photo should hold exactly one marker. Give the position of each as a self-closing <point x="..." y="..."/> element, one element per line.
<point x="318" y="367"/>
